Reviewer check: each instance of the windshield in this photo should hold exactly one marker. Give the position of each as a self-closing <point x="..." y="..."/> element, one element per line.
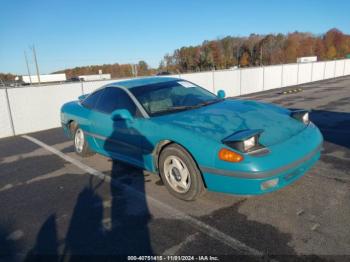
<point x="167" y="97"/>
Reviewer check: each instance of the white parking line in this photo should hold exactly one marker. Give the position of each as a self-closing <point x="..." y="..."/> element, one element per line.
<point x="201" y="226"/>
<point x="174" y="249"/>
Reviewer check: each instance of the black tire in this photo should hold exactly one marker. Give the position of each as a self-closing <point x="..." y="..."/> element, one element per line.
<point x="84" y="151"/>
<point x="196" y="187"/>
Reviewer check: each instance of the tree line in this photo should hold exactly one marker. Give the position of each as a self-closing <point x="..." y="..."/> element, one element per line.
<point x="5" y="77"/>
<point x="116" y="70"/>
<point x="227" y="52"/>
<point x="256" y="50"/>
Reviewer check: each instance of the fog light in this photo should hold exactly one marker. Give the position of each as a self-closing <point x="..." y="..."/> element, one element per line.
<point x="269" y="184"/>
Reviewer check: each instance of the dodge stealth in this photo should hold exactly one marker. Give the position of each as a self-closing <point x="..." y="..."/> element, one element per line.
<point x="195" y="140"/>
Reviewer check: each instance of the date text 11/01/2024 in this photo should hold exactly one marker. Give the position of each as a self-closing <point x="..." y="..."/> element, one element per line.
<point x="173" y="258"/>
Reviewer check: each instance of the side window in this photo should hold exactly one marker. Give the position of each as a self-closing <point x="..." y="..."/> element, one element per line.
<point x="92" y="99"/>
<point x="114" y="98"/>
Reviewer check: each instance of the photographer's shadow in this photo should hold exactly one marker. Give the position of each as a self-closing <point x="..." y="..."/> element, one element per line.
<point x="129" y="214"/>
<point x="109" y="226"/>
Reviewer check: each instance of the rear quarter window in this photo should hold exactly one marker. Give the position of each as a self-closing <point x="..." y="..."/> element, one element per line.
<point x="91" y="100"/>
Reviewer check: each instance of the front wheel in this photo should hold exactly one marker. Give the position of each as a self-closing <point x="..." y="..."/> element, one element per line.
<point x="180" y="173"/>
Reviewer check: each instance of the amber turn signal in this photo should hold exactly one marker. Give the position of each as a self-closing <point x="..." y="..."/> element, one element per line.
<point x="230" y="156"/>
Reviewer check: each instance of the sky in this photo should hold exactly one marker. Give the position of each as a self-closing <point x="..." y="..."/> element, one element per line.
<point x="69" y="33"/>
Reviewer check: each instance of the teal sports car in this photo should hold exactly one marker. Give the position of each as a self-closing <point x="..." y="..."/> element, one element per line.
<point x="195" y="140"/>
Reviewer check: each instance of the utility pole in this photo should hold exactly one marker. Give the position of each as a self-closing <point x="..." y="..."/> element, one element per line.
<point x="261" y="55"/>
<point x="134" y="70"/>
<point x="36" y="64"/>
<point x="30" y="77"/>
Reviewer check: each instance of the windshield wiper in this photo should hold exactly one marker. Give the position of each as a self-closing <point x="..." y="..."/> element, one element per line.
<point x="209" y="102"/>
<point x="175" y="108"/>
<point x="180" y="108"/>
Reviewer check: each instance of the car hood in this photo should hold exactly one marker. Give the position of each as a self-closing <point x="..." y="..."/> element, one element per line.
<point x="222" y="119"/>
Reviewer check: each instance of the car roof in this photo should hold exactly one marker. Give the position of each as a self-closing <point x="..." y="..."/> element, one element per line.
<point x="143" y="81"/>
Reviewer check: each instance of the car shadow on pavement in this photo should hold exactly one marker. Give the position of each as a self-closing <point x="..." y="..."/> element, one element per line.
<point x="335" y="126"/>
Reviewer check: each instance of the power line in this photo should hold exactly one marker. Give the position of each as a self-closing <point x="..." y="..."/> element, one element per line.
<point x="36" y="63"/>
<point x="30" y="77"/>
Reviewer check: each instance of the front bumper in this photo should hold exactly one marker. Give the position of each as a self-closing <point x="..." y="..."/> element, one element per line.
<point x="253" y="185"/>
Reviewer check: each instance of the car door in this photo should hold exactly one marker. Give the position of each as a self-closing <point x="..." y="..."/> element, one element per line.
<point x="88" y="105"/>
<point x="118" y="138"/>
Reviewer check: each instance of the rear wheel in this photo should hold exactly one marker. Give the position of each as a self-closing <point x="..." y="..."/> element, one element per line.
<point x="180" y="173"/>
<point x="80" y="144"/>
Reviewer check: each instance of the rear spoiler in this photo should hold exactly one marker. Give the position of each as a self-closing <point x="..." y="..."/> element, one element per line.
<point x="242" y="135"/>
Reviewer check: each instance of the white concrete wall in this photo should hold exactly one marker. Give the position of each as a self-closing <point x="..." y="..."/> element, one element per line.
<point x="37" y="108"/>
<point x="318" y="71"/>
<point x="272" y="77"/>
<point x="251" y="80"/>
<point x="5" y="121"/>
<point x="290" y="75"/>
<point x="339" y="67"/>
<point x="204" y="79"/>
<point x="329" y="70"/>
<point x="227" y="80"/>
<point x="89" y="87"/>
<point x="304" y="73"/>
<point x="347" y="67"/>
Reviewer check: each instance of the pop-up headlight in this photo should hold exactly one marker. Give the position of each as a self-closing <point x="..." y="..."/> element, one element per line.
<point x="249" y="143"/>
<point x="244" y="141"/>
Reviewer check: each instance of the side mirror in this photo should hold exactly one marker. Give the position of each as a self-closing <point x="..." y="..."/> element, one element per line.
<point x="221" y="94"/>
<point x="121" y="114"/>
<point x="82" y="97"/>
